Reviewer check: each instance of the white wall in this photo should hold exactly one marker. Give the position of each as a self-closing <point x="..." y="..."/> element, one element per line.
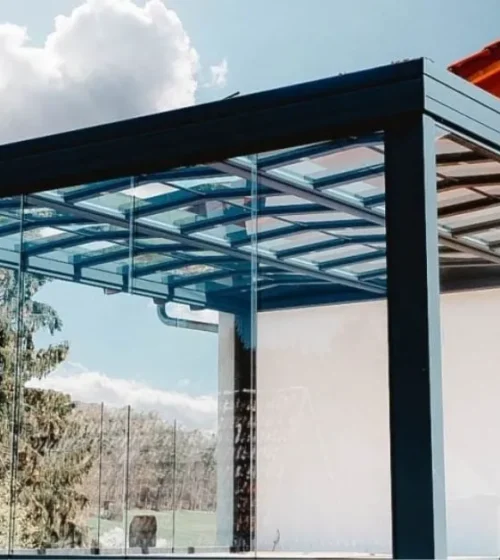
<point x="225" y="432"/>
<point x="322" y="426"/>
<point x="322" y="429"/>
<point x="323" y="440"/>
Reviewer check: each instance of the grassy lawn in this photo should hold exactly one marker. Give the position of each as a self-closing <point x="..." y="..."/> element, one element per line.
<point x="192" y="528"/>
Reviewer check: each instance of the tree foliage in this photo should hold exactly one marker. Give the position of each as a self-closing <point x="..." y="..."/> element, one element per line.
<point x="51" y="462"/>
<point x="47" y="454"/>
<point x="168" y="467"/>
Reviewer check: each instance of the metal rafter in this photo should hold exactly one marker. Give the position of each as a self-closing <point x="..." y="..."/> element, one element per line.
<point x="185" y="197"/>
<point x="69" y="240"/>
<point x="153" y="231"/>
<point x="355" y="208"/>
<point x="266" y="161"/>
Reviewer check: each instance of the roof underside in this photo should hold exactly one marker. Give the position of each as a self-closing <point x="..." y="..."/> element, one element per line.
<point x="310" y="220"/>
<point x="303" y="225"/>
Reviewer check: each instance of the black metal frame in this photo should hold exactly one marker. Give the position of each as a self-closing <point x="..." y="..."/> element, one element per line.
<point x="404" y="101"/>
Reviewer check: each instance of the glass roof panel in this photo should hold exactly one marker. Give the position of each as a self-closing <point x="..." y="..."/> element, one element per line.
<point x="225" y="284"/>
<point x="299" y="240"/>
<point x="457" y="197"/>
<point x="190" y="270"/>
<point x="469" y="218"/>
<point x="352" y="232"/>
<point x="320" y="213"/>
<point x="351" y="158"/>
<point x="113" y="203"/>
<point x="200" y="212"/>
<point x="492" y="190"/>
<point x="147" y="191"/>
<point x="488" y="236"/>
<point x="471" y="169"/>
<point x="318" y="257"/>
<point x="376" y="265"/>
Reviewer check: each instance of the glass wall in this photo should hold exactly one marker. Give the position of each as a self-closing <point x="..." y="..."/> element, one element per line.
<point x="148" y="410"/>
<point x="125" y="414"/>
<point x="154" y="412"/>
<point x="468" y="189"/>
<point x="10" y="387"/>
<point x="196" y="361"/>
<point x="323" y="473"/>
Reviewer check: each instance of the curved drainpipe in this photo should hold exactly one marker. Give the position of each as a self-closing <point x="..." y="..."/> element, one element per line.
<point x="165" y="318"/>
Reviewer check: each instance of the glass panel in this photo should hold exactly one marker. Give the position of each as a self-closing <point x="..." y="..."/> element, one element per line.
<point x="71" y="459"/>
<point x="11" y="381"/>
<point x="168" y="439"/>
<point x="323" y="473"/>
<point x="191" y="493"/>
<point x="468" y="184"/>
<point x="472" y="483"/>
<point x="106" y="483"/>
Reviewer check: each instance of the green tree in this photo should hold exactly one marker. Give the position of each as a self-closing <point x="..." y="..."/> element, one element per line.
<point x="49" y="451"/>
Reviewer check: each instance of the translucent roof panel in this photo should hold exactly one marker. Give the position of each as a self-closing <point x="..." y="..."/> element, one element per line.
<point x="310" y="216"/>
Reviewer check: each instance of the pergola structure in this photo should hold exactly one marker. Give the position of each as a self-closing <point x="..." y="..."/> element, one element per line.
<point x="379" y="184"/>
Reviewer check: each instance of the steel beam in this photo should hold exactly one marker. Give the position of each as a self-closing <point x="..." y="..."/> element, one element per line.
<point x="340" y="107"/>
<point x="142" y="229"/>
<point x="415" y="384"/>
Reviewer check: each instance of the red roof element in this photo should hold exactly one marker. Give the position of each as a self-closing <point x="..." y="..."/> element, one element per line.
<point x="481" y="68"/>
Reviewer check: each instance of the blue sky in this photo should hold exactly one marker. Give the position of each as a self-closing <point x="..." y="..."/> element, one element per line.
<point x="270" y="44"/>
<point x="267" y="44"/>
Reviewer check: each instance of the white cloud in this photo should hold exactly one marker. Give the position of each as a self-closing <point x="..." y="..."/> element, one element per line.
<point x="94" y="387"/>
<point x="218" y="74"/>
<point x="107" y="60"/>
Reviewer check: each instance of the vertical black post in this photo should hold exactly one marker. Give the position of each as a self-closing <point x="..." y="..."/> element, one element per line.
<point x="416" y="417"/>
<point x="244" y="460"/>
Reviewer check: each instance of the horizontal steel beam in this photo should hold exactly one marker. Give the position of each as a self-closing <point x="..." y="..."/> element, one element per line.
<point x="325" y="110"/>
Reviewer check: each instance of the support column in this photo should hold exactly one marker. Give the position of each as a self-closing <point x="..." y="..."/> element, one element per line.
<point x="415" y="385"/>
<point x="244" y="459"/>
<point x="236" y="452"/>
<point x="225" y="432"/>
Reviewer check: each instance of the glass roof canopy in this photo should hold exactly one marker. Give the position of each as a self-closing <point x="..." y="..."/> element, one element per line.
<point x="308" y="221"/>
